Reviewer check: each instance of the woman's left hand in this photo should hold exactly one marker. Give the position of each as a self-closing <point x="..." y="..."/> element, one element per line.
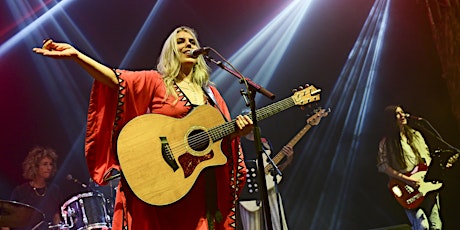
<point x="244" y="125"/>
<point x="289" y="153"/>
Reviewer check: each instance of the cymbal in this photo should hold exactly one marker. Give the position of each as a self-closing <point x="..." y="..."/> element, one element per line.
<point x="19" y="215"/>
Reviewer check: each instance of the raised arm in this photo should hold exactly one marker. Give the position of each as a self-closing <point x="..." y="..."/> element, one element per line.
<point x="97" y="70"/>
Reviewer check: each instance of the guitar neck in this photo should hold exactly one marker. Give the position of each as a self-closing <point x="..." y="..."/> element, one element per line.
<point x="228" y="128"/>
<point x="280" y="155"/>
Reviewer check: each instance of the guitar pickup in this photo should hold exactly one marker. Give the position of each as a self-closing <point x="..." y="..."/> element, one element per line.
<point x="167" y="154"/>
<point x="397" y="191"/>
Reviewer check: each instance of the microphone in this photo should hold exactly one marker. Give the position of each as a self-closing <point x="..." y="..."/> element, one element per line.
<point x="198" y="52"/>
<point x="413" y="117"/>
<point x="70" y="177"/>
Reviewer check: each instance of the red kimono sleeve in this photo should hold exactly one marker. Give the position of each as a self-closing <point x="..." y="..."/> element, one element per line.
<point x="108" y="111"/>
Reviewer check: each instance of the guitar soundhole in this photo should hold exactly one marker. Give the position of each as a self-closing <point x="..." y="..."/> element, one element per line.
<point x="198" y="140"/>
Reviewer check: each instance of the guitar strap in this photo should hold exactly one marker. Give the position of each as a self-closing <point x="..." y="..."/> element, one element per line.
<point x="208" y="92"/>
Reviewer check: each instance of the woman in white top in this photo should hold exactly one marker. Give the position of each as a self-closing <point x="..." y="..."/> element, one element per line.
<point x="402" y="151"/>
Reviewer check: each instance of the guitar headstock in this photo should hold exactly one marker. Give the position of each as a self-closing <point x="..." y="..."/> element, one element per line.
<point x="307" y="95"/>
<point x="316" y="118"/>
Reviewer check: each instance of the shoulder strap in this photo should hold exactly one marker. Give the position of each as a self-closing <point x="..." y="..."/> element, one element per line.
<point x="207" y="90"/>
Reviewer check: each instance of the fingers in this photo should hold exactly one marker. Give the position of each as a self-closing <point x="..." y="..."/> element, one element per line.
<point x="244" y="125"/>
<point x="47" y="44"/>
<point x="46" y="40"/>
<point x="288" y="151"/>
<point x="415" y="184"/>
<point x="243" y="121"/>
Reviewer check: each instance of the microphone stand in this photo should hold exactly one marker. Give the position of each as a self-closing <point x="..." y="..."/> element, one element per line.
<point x="275" y="171"/>
<point x="252" y="89"/>
<point x="433" y="132"/>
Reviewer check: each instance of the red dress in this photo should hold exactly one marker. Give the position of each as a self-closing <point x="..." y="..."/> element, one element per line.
<point x="141" y="92"/>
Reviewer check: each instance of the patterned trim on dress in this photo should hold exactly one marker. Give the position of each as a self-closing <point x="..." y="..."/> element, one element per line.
<point x="119" y="112"/>
<point x="120" y="102"/>
<point x="182" y="96"/>
<point x="113" y="173"/>
<point x="234" y="184"/>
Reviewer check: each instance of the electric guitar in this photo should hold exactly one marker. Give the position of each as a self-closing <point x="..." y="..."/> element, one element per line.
<point x="161" y="156"/>
<point x="253" y="205"/>
<point x="408" y="196"/>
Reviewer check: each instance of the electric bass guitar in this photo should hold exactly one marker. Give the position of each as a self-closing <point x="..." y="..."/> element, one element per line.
<point x="408" y="196"/>
<point x="161" y="156"/>
<point x="253" y="205"/>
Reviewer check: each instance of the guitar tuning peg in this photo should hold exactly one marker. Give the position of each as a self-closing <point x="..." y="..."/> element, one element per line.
<point x="307" y="85"/>
<point x="294" y="90"/>
<point x="301" y="87"/>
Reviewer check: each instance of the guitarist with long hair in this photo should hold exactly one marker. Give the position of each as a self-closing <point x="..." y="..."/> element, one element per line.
<point x="179" y="85"/>
<point x="405" y="157"/>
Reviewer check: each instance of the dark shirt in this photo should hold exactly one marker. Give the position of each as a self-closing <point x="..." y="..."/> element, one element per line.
<point x="250" y="190"/>
<point x="249" y="148"/>
<point x="47" y="200"/>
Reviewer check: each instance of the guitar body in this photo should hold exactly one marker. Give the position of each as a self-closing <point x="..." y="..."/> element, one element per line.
<point x="161" y="157"/>
<point x="410" y="197"/>
<point x="269" y="180"/>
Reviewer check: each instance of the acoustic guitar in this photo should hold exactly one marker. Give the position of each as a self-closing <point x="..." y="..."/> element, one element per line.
<point x="161" y="157"/>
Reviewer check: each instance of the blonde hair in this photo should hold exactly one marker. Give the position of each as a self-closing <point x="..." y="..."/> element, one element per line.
<point x="32" y="162"/>
<point x="169" y="64"/>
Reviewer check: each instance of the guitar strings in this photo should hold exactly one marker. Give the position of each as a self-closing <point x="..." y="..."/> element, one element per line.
<point x="205" y="136"/>
<point x="229" y="127"/>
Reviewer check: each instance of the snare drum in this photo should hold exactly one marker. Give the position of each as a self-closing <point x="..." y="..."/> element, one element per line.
<point x="86" y="211"/>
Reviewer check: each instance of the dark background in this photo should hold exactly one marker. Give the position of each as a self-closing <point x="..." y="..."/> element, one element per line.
<point x="44" y="101"/>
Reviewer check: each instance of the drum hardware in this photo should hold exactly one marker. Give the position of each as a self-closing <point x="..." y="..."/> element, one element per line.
<point x="86" y="211"/>
<point x="59" y="226"/>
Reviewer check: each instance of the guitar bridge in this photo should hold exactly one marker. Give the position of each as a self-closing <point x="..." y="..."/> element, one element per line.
<point x="167" y="154"/>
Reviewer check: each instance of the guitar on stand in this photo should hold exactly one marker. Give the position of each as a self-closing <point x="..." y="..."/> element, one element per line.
<point x="251" y="203"/>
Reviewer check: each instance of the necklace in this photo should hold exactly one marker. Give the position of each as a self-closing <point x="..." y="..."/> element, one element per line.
<point x="38" y="193"/>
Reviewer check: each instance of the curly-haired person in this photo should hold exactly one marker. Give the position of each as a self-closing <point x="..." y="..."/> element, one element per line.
<point x="38" y="168"/>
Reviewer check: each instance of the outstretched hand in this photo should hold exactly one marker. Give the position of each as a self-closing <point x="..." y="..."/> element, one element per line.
<point x="56" y="50"/>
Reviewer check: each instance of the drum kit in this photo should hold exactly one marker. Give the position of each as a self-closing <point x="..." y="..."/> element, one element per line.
<point x="84" y="211"/>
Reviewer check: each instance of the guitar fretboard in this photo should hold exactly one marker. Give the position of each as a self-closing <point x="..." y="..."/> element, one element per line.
<point x="228" y="128"/>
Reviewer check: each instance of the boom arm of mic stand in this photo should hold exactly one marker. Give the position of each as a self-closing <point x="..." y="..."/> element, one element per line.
<point x="437" y="135"/>
<point x="251" y="84"/>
